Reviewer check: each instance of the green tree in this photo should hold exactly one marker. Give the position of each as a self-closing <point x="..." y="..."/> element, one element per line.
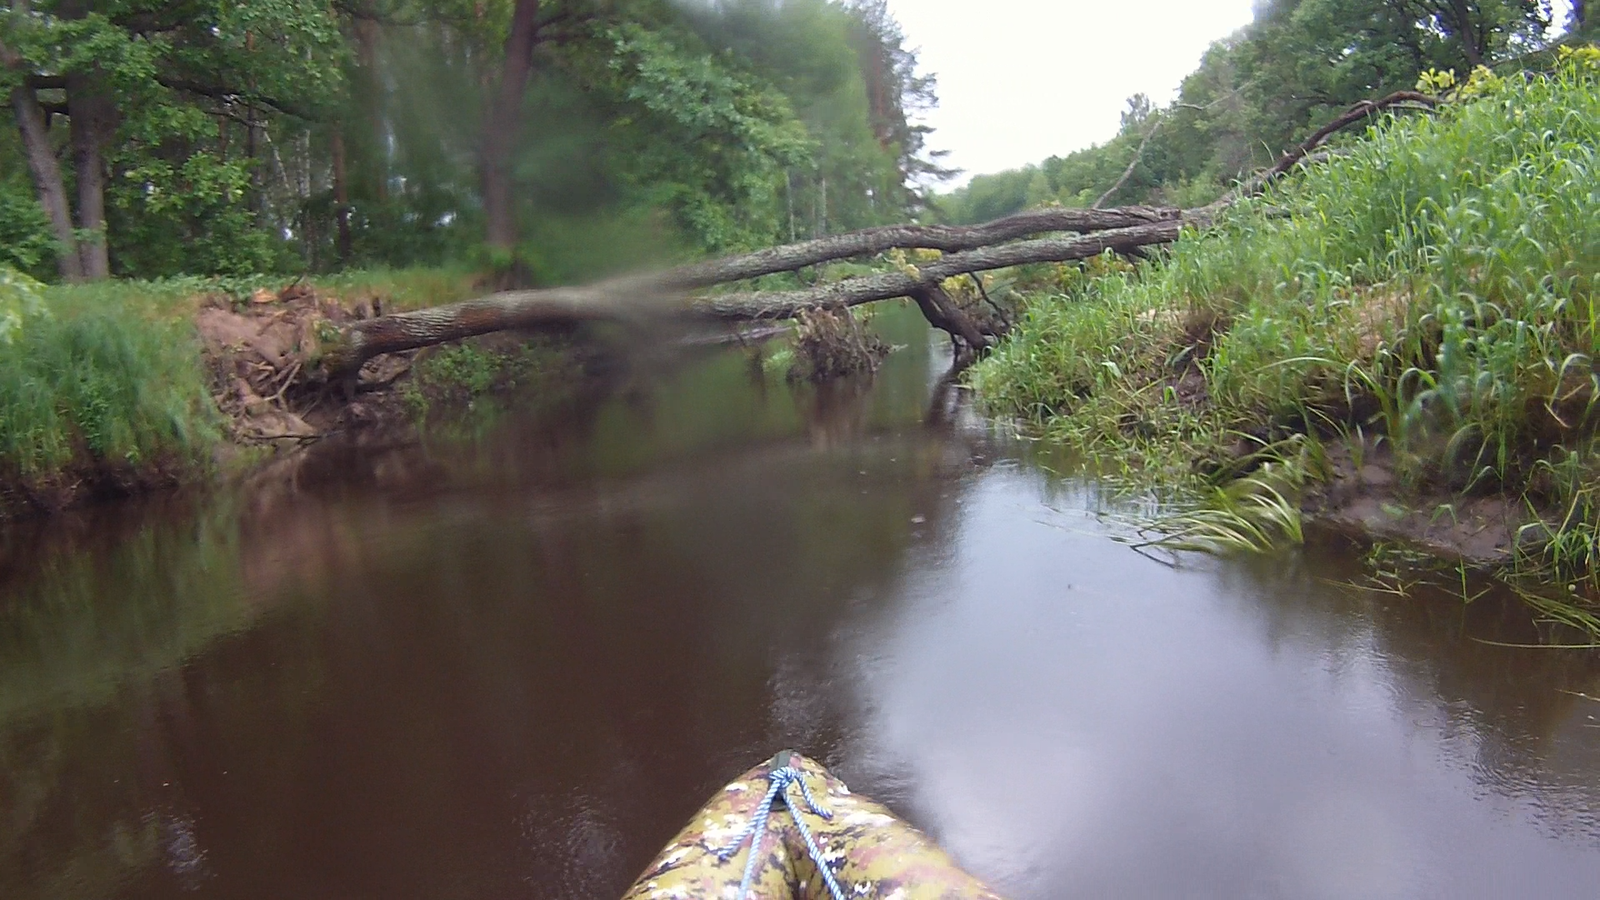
<point x="1258" y="91"/>
<point x="150" y="92"/>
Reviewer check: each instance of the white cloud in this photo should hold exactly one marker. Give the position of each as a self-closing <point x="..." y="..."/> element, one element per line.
<point x="1020" y="80"/>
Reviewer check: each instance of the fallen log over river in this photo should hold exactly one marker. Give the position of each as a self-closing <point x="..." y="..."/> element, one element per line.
<point x="970" y="249"/>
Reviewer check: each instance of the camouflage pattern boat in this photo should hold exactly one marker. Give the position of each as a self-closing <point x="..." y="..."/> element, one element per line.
<point x="869" y="852"/>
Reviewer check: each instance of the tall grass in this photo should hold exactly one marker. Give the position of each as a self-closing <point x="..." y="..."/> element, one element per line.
<point x="1434" y="284"/>
<point x="108" y="386"/>
<point x="107" y="379"/>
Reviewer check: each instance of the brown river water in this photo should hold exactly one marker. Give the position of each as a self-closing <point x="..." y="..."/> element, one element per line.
<point x="510" y="661"/>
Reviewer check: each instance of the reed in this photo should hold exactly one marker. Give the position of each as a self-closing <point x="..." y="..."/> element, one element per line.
<point x="1433" y="284"/>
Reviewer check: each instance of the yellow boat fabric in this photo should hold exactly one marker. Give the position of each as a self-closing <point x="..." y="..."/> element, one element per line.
<point x="873" y="853"/>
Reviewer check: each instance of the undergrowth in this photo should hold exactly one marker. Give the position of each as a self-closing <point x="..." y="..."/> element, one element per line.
<point x="457" y="375"/>
<point x="116" y="388"/>
<point x="1429" y="290"/>
<point x="103" y="385"/>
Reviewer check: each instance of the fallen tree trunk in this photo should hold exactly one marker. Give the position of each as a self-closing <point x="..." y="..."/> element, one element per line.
<point x="511" y="310"/>
<point x="970" y="249"/>
<point x="887" y="286"/>
<point x="871" y="241"/>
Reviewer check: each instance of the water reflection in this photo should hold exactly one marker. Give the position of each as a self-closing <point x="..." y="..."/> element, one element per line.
<point x="1062" y="711"/>
<point x="512" y="662"/>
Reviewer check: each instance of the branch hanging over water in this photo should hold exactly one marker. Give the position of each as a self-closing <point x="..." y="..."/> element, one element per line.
<point x="868" y="288"/>
<point x="974" y="248"/>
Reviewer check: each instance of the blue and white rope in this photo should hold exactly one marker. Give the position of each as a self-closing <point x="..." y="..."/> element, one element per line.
<point x="779" y="780"/>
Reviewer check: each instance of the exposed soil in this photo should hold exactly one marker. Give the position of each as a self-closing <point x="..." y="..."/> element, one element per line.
<point x="257" y="354"/>
<point x="1368" y="501"/>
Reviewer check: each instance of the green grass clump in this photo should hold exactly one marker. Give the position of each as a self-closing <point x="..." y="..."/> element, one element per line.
<point x="454" y="376"/>
<point x="1254" y="513"/>
<point x="105" y="386"/>
<point x="1432" y="286"/>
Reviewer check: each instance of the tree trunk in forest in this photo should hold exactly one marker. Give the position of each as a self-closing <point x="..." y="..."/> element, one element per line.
<point x="1467" y="31"/>
<point x="341" y="194"/>
<point x="1580" y="17"/>
<point x="501" y="124"/>
<point x="47" y="180"/>
<point x="91" y="113"/>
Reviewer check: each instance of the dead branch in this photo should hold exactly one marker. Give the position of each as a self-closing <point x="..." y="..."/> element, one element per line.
<point x="1355" y="114"/>
<point x="1127" y="173"/>
<point x="872" y="241"/>
<point x="969" y="249"/>
<point x="887" y="286"/>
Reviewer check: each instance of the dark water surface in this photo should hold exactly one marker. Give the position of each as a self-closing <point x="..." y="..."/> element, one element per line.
<point x="510" y="664"/>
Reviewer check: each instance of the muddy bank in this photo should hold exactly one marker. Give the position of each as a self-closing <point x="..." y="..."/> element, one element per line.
<point x="254" y="353"/>
<point x="1366" y="499"/>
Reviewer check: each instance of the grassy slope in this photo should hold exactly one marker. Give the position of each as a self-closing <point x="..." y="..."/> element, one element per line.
<point x="107" y="383"/>
<point x="1433" y="291"/>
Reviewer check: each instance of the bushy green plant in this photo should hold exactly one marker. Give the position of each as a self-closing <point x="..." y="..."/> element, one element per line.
<point x="101" y="384"/>
<point x="20" y="301"/>
<point x="1434" y="283"/>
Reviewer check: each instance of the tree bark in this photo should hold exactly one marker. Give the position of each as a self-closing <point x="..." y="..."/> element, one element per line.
<point x="47" y="180"/>
<point x="42" y="165"/>
<point x="501" y="124"/>
<point x="871" y="241"/>
<point x="943" y="314"/>
<point x="887" y="286"/>
<point x="968" y="249"/>
<point x="341" y="194"/>
<point x="91" y="113"/>
<point x="1461" y="19"/>
<point x="508" y="310"/>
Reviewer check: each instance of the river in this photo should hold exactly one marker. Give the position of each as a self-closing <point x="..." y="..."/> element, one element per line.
<point x="511" y="660"/>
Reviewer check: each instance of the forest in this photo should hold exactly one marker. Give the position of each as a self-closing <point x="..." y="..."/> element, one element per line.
<point x="239" y="205"/>
<point x="547" y="139"/>
<point x="1296" y="66"/>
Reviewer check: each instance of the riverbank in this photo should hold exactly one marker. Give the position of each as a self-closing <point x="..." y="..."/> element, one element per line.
<point x="1402" y="337"/>
<point x="123" y="387"/>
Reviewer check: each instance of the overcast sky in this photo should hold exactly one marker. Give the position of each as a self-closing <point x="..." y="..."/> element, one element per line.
<point x="1020" y="80"/>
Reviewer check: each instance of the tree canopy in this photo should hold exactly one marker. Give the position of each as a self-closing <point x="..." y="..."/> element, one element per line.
<point x="1262" y="89"/>
<point x="557" y="137"/>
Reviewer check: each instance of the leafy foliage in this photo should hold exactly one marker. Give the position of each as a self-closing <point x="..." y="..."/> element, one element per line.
<point x="1262" y="90"/>
<point x="1433" y="289"/>
<point x="287" y="134"/>
<point x="19" y="301"/>
<point x="705" y="143"/>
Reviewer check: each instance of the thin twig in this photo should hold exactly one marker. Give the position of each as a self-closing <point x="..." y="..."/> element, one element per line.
<point x="984" y="292"/>
<point x="1128" y="172"/>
